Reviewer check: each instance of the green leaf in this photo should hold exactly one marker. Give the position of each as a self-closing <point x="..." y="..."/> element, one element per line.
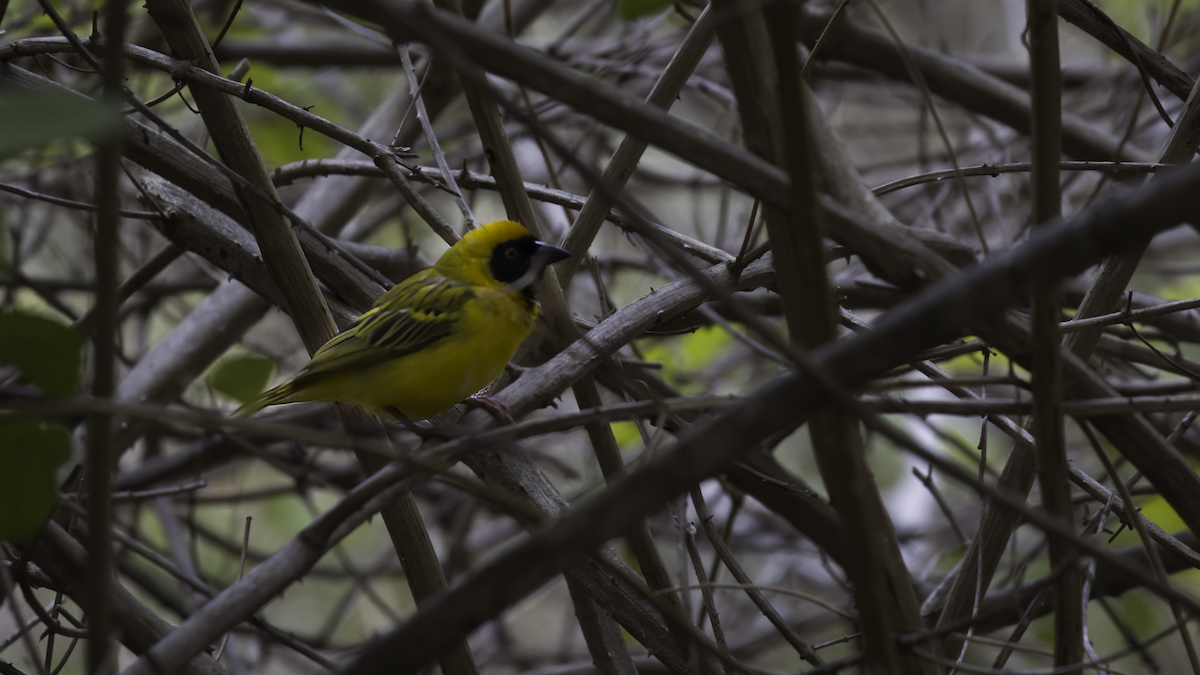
<point x="636" y="9"/>
<point x="242" y="377"/>
<point x="32" y="119"/>
<point x="47" y="353"/>
<point x="686" y="357"/>
<point x="29" y="454"/>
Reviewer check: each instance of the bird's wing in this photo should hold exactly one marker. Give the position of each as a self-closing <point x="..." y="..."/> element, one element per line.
<point x="410" y="317"/>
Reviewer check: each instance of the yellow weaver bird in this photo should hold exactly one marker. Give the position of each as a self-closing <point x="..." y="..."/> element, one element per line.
<point x="438" y="337"/>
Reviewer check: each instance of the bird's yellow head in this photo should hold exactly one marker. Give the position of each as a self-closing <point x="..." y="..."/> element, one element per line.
<point x="499" y="254"/>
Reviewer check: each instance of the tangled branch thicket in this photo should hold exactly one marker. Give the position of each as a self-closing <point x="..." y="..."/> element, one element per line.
<point x="827" y="386"/>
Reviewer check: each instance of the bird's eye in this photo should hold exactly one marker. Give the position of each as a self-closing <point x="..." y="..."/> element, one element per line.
<point x="512" y="253"/>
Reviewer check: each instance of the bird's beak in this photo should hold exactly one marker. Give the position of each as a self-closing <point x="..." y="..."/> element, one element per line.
<point x="548" y="254"/>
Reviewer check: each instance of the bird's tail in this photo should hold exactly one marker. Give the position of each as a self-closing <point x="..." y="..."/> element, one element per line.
<point x="280" y="394"/>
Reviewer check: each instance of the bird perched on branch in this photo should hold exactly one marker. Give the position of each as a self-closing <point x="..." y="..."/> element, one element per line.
<point x="438" y="337"/>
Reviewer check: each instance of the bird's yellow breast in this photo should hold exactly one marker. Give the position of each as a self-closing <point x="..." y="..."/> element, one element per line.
<point x="431" y="381"/>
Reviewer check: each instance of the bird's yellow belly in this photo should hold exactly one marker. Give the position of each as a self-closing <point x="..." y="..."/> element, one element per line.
<point x="430" y="382"/>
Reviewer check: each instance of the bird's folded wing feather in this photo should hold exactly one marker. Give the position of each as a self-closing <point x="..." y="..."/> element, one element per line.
<point x="421" y="311"/>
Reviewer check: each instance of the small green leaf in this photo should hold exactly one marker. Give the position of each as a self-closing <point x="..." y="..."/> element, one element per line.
<point x="29" y="454"/>
<point x="47" y="353"/>
<point x="242" y="377"/>
<point x="32" y="119"/>
<point x="636" y="9"/>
